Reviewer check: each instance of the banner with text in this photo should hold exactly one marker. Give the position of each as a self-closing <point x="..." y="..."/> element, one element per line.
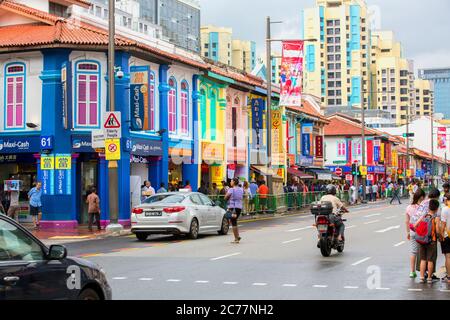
<point x="291" y="73"/>
<point x="442" y="138"/>
<point x="277" y="138"/>
<point x="139" y="104"/>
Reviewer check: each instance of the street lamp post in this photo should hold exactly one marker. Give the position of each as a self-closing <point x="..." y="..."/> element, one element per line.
<point x="113" y="176"/>
<point x="432" y="149"/>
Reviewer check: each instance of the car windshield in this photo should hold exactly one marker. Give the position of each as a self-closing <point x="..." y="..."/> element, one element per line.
<point x="165" y="198"/>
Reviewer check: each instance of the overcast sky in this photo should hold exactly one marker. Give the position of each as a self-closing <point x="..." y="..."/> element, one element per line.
<point x="423" y="27"/>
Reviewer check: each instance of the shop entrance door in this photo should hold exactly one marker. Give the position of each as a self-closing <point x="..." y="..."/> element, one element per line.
<point x="88" y="180"/>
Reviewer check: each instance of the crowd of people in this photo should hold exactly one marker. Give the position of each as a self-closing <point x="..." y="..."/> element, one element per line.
<point x="427" y="223"/>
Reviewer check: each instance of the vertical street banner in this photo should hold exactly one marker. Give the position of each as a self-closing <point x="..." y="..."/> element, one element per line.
<point x="370" y="154"/>
<point x="139" y="95"/>
<point x="319" y="147"/>
<point x="277" y="138"/>
<point x="442" y="138"/>
<point x="258" y="106"/>
<point x="376" y="151"/>
<point x="382" y="153"/>
<point x="63" y="166"/>
<point x="47" y="173"/>
<point x="291" y="73"/>
<point x="307" y="131"/>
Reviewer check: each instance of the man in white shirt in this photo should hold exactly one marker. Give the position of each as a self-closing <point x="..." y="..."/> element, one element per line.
<point x="375" y="192"/>
<point x="445" y="234"/>
<point x="147" y="190"/>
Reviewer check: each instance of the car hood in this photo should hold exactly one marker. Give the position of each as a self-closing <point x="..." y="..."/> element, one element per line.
<point x="85" y="263"/>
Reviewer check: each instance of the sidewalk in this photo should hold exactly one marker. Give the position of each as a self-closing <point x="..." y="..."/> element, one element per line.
<point x="83" y="234"/>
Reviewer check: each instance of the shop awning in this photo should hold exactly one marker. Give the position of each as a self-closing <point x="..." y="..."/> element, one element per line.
<point x="323" y="174"/>
<point x="299" y="174"/>
<point x="263" y="170"/>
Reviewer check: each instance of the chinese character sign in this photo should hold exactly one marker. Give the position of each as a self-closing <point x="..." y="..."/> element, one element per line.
<point x="277" y="138"/>
<point x="442" y="138"/>
<point x="291" y="73"/>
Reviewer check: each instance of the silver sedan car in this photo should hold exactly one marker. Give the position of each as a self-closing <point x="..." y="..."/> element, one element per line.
<point x="188" y="213"/>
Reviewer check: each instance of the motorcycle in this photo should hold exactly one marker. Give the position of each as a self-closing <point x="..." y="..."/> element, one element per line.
<point x="328" y="233"/>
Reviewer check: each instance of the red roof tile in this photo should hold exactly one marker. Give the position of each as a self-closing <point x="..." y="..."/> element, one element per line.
<point x="308" y="109"/>
<point x="29" y="12"/>
<point x="342" y="126"/>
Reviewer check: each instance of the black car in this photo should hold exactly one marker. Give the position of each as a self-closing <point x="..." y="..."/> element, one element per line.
<point x="31" y="271"/>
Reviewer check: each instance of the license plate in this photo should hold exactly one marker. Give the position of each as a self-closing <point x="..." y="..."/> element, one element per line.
<point x="153" y="214"/>
<point x="322" y="228"/>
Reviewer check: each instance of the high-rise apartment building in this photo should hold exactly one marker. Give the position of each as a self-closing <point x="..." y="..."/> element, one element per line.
<point x="337" y="65"/>
<point x="424" y="97"/>
<point x="392" y="78"/>
<point x="218" y="45"/>
<point x="441" y="87"/>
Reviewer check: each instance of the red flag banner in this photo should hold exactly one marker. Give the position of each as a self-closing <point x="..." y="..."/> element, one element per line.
<point x="291" y="73"/>
<point x="442" y="138"/>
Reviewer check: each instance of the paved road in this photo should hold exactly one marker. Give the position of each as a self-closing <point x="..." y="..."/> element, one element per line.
<point x="277" y="259"/>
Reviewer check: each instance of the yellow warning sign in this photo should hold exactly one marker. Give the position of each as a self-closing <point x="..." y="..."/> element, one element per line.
<point x="112" y="149"/>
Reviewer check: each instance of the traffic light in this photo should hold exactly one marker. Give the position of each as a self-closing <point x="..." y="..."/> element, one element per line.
<point x="354" y="169"/>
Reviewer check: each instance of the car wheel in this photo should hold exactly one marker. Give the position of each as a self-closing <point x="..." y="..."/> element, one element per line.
<point x="89" y="294"/>
<point x="193" y="231"/>
<point x="225" y="227"/>
<point x="141" y="236"/>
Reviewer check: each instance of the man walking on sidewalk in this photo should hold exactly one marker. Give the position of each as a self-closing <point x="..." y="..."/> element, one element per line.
<point x="34" y="195"/>
<point x="93" y="202"/>
<point x="14" y="208"/>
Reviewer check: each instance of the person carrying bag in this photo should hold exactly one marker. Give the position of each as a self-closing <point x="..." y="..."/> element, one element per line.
<point x="234" y="196"/>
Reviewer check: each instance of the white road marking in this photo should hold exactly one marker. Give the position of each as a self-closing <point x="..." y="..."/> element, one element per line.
<point x="391" y="217"/>
<point x="350" y="227"/>
<point x="416" y="290"/>
<point x="120" y="278"/>
<point x="301" y="229"/>
<point x="361" y="261"/>
<point x="444" y="290"/>
<point x="383" y="289"/>
<point x="371" y="222"/>
<point x="289" y="285"/>
<point x="399" y="244"/>
<point x="202" y="281"/>
<point x="227" y="256"/>
<point x="320" y="286"/>
<point x="350" y="287"/>
<point x="290" y="241"/>
<point x="146" y="279"/>
<point x="258" y="284"/>
<point x="173" y="280"/>
<point x="388" y="229"/>
<point x="373" y="215"/>
<point x="230" y="283"/>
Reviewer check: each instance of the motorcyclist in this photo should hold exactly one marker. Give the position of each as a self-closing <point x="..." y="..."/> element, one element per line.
<point x="338" y="210"/>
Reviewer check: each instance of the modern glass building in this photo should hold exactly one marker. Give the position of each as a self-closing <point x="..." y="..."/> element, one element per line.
<point x="441" y="86"/>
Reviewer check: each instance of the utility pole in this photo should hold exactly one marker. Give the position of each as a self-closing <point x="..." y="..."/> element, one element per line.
<point x="269" y="104"/>
<point x="407" y="145"/>
<point x="363" y="143"/>
<point x="113" y="176"/>
<point x="432" y="149"/>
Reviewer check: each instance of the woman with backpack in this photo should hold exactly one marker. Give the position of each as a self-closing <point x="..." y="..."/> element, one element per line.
<point x="235" y="197"/>
<point x="426" y="236"/>
<point x="411" y="219"/>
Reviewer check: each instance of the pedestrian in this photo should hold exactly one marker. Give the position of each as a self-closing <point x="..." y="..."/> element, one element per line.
<point x="263" y="193"/>
<point x="93" y="202"/>
<point x="375" y="192"/>
<point x="34" y="196"/>
<point x="14" y="207"/>
<point x="446" y="189"/>
<point x="445" y="234"/>
<point x="411" y="219"/>
<point x="147" y="190"/>
<point x="369" y="192"/>
<point x="162" y="188"/>
<point x="235" y="196"/>
<point x="247" y="198"/>
<point x="170" y="187"/>
<point x="353" y="195"/>
<point x="395" y="193"/>
<point x="426" y="236"/>
<point x="203" y="188"/>
<point x="2" y="195"/>
<point x="188" y="186"/>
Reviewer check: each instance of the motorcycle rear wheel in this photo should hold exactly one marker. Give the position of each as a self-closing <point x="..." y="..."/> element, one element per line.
<point x="325" y="247"/>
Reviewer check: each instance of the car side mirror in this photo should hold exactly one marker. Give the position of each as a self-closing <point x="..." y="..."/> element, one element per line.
<point x="57" y="252"/>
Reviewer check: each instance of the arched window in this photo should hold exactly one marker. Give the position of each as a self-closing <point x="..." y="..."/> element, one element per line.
<point x="87" y="97"/>
<point x="152" y="122"/>
<point x="172" y="105"/>
<point x="15" y="75"/>
<point x="184" y="107"/>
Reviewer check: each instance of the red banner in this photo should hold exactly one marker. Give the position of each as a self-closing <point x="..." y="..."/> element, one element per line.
<point x="319" y="147"/>
<point x="442" y="138"/>
<point x="370" y="152"/>
<point x="291" y="73"/>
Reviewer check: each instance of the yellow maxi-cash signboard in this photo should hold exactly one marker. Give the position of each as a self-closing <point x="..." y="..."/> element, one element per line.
<point x="48" y="162"/>
<point x="63" y="162"/>
<point x="112" y="149"/>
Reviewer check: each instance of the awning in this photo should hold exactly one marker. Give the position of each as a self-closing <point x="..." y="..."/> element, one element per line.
<point x="299" y="174"/>
<point x="322" y="174"/>
<point x="263" y="170"/>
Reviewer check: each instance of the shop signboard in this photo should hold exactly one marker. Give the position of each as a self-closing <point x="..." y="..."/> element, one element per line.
<point x="305" y="161"/>
<point x="47" y="174"/>
<point x="13" y="185"/>
<point x="370" y="177"/>
<point x="63" y="166"/>
<point x="349" y="177"/>
<point x="82" y="144"/>
<point x="19" y="144"/>
<point x="307" y="130"/>
<point x="213" y="153"/>
<point x="258" y="107"/>
<point x="146" y="148"/>
<point x="139" y="104"/>
<point x="363" y="170"/>
<point x="319" y="147"/>
<point x="98" y="139"/>
<point x="278" y="156"/>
